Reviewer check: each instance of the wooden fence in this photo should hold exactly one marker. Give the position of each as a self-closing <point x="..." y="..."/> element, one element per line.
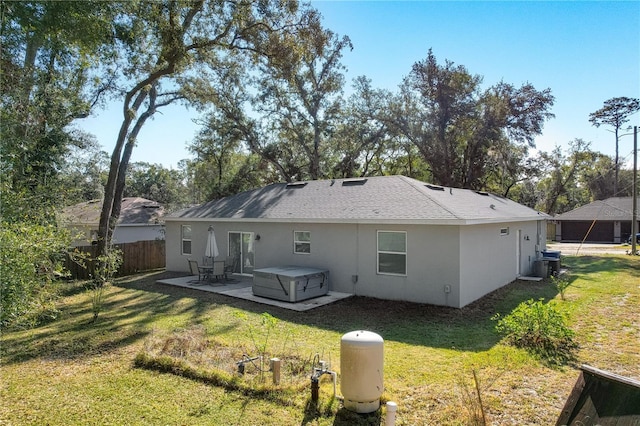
<point x="136" y="257"/>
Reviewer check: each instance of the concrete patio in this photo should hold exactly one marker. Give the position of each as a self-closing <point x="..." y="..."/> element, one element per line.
<point x="240" y="287"/>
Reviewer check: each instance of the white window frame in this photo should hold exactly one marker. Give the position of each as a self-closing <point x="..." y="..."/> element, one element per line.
<point x="183" y="239"/>
<point x="379" y="252"/>
<point x="504" y="231"/>
<point x="297" y="241"/>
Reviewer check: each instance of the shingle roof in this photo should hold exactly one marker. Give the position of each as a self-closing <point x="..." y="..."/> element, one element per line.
<point x="134" y="211"/>
<point x="367" y="200"/>
<point x="615" y="208"/>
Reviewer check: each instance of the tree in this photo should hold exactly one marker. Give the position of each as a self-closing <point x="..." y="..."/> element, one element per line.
<point x="599" y="179"/>
<point x="166" y="47"/>
<point x="508" y="166"/>
<point x="84" y="171"/>
<point x="560" y="189"/>
<point x="456" y="126"/>
<point x="299" y="93"/>
<point x="285" y="107"/>
<point x="362" y="135"/>
<point x="154" y="182"/>
<point x="50" y="78"/>
<point x="223" y="165"/>
<point x="433" y="112"/>
<point x="615" y="113"/>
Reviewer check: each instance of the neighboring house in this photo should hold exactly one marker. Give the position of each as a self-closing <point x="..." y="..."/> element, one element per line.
<point x="140" y="220"/>
<point x="388" y="237"/>
<point x="602" y="221"/>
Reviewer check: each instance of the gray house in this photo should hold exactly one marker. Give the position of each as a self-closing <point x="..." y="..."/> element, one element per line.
<point x="140" y="220"/>
<point x="602" y="221"/>
<point x="388" y="237"/>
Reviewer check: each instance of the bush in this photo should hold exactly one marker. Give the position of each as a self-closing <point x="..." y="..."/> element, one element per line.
<point x="560" y="282"/>
<point x="540" y="329"/>
<point x="107" y="266"/>
<point x="30" y="261"/>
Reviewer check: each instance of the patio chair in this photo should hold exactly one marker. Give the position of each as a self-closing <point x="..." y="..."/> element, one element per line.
<point x="202" y="271"/>
<point x="215" y="268"/>
<point x="218" y="269"/>
<point x="229" y="266"/>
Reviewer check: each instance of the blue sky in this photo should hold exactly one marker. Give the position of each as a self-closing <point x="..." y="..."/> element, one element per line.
<point x="585" y="51"/>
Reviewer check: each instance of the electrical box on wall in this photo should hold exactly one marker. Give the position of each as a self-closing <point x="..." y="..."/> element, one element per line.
<point x="447" y="288"/>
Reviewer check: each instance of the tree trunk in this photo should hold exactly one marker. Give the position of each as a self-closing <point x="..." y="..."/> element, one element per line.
<point x="111" y="205"/>
<point x="617" y="166"/>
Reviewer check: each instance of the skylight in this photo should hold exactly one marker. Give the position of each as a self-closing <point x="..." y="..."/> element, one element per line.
<point x="434" y="187"/>
<point x="354" y="182"/>
<point x="296" y="184"/>
<point x="486" y="194"/>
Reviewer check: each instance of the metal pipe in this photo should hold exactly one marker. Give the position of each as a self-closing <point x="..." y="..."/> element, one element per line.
<point x="317" y="374"/>
<point x="334" y="376"/>
<point x="315" y="388"/>
<point x="245" y="359"/>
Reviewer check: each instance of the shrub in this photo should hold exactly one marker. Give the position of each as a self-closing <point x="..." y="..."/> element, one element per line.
<point x="539" y="328"/>
<point x="561" y="282"/>
<point x="30" y="261"/>
<point x="107" y="266"/>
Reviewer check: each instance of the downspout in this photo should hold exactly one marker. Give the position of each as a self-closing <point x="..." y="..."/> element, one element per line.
<point x="354" y="278"/>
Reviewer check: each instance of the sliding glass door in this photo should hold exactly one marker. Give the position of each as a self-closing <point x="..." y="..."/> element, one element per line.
<point x="241" y="249"/>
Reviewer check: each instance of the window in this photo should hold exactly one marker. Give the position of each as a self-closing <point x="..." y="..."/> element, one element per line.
<point x="392" y="252"/>
<point x="504" y="231"/>
<point x="302" y="242"/>
<point x="186" y="239"/>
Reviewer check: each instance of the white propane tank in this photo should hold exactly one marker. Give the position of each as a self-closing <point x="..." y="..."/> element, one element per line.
<point x="361" y="368"/>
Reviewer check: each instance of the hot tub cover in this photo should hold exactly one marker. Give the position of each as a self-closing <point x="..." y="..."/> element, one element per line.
<point x="290" y="283"/>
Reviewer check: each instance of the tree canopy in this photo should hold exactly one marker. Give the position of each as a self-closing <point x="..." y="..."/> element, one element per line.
<point x="456" y="126"/>
<point x="615" y="113"/>
<point x="167" y="51"/>
<point x="50" y="77"/>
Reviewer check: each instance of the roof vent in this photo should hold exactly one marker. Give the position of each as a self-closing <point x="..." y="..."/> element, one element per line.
<point x="354" y="182"/>
<point x="296" y="184"/>
<point x="434" y="187"/>
<point x="486" y="194"/>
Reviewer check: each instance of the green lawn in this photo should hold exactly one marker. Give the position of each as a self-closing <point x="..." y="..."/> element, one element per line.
<point x="73" y="372"/>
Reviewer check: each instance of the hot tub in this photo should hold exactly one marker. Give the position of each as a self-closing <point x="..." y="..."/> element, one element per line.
<point x="290" y="283"/>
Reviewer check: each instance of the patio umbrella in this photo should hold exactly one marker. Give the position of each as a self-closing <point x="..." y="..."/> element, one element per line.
<point x="212" y="246"/>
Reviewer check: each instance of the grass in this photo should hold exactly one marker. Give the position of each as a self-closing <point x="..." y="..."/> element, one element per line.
<point x="73" y="372"/>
